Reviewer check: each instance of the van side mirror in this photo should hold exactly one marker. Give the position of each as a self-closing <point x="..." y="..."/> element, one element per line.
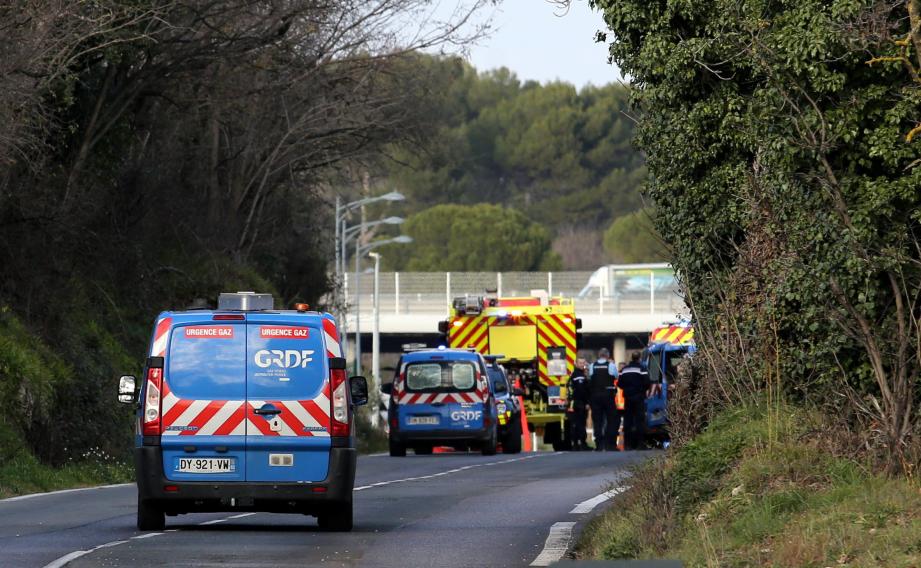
<point x="127" y="389"/>
<point x="387" y="388"/>
<point x="359" y="390"/>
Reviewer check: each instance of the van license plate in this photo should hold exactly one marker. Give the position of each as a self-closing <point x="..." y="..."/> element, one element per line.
<point x="418" y="420"/>
<point x="207" y="465"/>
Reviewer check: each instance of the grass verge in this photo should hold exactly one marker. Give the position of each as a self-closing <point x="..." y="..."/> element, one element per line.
<point x="24" y="474"/>
<point x="760" y="488"/>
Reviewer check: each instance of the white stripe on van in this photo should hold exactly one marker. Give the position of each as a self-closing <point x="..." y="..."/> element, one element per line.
<point x="220" y="417"/>
<point x="188" y="416"/>
<point x="243" y="427"/>
<point x="168" y="402"/>
<point x="332" y="345"/>
<point x="305" y="418"/>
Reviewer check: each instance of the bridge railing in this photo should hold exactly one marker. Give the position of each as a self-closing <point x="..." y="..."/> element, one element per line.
<point x="650" y="289"/>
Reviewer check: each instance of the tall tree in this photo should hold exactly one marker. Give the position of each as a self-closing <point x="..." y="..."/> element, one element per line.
<point x="786" y="179"/>
<point x="563" y="157"/>
<point x="473" y="238"/>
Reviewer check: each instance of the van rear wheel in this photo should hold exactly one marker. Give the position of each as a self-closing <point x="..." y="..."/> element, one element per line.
<point x="397" y="450"/>
<point x="338" y="519"/>
<point x="150" y="518"/>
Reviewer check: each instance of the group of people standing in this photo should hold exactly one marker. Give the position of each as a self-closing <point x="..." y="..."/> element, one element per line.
<point x="594" y="387"/>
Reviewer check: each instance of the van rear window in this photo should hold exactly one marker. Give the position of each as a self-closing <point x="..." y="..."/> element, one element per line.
<point x="208" y="362"/>
<point x="441" y="376"/>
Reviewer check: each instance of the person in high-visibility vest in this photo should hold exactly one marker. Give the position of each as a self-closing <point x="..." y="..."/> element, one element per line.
<point x="605" y="420"/>
<point x="633" y="384"/>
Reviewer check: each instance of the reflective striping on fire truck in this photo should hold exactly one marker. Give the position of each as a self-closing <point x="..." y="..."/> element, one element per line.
<point x="523" y="332"/>
<point x="674" y="334"/>
<point x="536" y="336"/>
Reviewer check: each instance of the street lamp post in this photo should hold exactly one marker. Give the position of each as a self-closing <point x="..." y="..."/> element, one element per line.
<point x="376" y="333"/>
<point x="340" y="229"/>
<point x="360" y="250"/>
<point x="345" y="234"/>
<point x="340" y="222"/>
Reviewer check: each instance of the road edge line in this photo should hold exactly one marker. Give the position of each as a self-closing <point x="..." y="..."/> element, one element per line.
<point x="70" y="557"/>
<point x="61" y="492"/>
<point x="589" y="505"/>
<point x="557" y="544"/>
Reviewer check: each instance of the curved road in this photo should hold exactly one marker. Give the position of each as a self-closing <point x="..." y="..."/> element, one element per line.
<point x="439" y="510"/>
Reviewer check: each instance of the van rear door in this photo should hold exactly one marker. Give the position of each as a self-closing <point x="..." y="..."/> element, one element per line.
<point x="287" y="399"/>
<point x="204" y="391"/>
<point x="442" y="394"/>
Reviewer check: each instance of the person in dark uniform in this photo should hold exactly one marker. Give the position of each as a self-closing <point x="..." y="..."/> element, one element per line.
<point x="634" y="381"/>
<point x="605" y="421"/>
<point x="579" y="401"/>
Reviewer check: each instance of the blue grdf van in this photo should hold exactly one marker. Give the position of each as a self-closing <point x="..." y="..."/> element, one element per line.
<point x="441" y="397"/>
<point x="245" y="408"/>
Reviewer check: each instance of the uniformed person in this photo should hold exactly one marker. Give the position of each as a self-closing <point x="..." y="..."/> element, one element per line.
<point x="605" y="420"/>
<point x="579" y="401"/>
<point x="634" y="382"/>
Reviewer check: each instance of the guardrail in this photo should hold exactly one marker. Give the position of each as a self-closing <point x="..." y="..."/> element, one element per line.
<point x="642" y="290"/>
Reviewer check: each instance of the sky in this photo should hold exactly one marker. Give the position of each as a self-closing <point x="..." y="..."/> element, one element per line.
<point x="536" y="41"/>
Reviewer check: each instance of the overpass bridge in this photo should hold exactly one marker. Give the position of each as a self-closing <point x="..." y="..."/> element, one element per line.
<point x="618" y="304"/>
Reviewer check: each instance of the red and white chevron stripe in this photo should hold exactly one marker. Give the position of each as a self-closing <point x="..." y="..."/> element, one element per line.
<point x="442" y="397"/>
<point x="331" y="338"/>
<point x="187" y="417"/>
<point x="161" y="337"/>
<point x="298" y="417"/>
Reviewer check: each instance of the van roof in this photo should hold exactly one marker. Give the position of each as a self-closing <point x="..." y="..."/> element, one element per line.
<point x="247" y="315"/>
<point x="430" y="354"/>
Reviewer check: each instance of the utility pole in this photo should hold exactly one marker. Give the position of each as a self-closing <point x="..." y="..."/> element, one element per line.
<point x="376" y="337"/>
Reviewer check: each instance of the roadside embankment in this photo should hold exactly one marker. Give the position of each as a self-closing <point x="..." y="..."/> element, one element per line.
<point x="761" y="487"/>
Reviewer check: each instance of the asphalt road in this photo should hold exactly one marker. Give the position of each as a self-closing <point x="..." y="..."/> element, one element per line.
<point x="438" y="510"/>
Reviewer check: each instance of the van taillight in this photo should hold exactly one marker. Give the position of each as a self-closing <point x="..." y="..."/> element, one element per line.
<point x="152" y="402"/>
<point x="339" y="404"/>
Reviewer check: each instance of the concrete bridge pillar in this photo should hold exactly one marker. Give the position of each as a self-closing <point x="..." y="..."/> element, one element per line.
<point x="619" y="353"/>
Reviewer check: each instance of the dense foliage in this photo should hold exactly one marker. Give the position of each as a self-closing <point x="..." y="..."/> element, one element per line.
<point x="563" y="158"/>
<point x="633" y="238"/>
<point x="475" y="238"/>
<point x="777" y="134"/>
<point x="155" y="153"/>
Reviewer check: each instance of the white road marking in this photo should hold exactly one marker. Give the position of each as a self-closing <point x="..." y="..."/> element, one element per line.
<point x="589" y="504"/>
<point x="556" y="545"/>
<point x="64" y="560"/>
<point x="145" y="535"/>
<point x="67" y="558"/>
<point x="61" y="492"/>
<point x="448" y="472"/>
<point x="240" y="516"/>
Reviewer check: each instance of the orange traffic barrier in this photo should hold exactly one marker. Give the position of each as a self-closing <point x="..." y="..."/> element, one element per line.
<point x="620" y="439"/>
<point x="524" y="426"/>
